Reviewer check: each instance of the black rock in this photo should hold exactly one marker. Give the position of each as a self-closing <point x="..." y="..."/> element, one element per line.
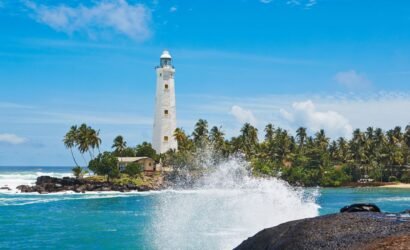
<point x="5" y="188"/>
<point x="360" y="207"/>
<point x="366" y="230"/>
<point x="25" y="188"/>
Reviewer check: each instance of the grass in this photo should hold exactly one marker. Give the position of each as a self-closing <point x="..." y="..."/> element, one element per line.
<point x="126" y="179"/>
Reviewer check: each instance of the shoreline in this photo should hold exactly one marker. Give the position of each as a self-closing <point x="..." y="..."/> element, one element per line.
<point x="397" y="185"/>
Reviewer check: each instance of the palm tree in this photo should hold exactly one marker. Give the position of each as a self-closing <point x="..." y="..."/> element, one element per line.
<point x="249" y="138"/>
<point x="200" y="134"/>
<point x="94" y="139"/>
<point x="181" y="138"/>
<point x="321" y="139"/>
<point x="301" y="135"/>
<point x="216" y="136"/>
<point x="119" y="145"/>
<point x="269" y="133"/>
<point x="70" y="141"/>
<point x="83" y="140"/>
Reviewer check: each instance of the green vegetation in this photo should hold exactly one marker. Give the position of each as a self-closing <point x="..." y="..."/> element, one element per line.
<point x="105" y="165"/>
<point x="134" y="169"/>
<point x="79" y="172"/>
<point x="301" y="159"/>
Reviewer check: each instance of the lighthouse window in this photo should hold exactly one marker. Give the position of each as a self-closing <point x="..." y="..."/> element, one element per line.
<point x="166" y="86"/>
<point x="160" y="74"/>
<point x="166" y="112"/>
<point x="166" y="138"/>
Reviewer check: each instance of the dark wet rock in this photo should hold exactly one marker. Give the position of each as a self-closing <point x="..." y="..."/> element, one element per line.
<point x="25" y="188"/>
<point x="360" y="207"/>
<point x="5" y="188"/>
<point x="365" y="230"/>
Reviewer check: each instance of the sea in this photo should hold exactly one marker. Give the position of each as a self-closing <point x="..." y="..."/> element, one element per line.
<point x="224" y="209"/>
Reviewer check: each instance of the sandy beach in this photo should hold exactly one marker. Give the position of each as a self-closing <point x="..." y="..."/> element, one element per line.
<point x="397" y="185"/>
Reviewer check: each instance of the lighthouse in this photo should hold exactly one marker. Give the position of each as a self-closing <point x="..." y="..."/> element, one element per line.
<point x="165" y="121"/>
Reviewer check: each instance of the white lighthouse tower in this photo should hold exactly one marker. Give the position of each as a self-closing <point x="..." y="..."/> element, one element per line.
<point x="165" y="111"/>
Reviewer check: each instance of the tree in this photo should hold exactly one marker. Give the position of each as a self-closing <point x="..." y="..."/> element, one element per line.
<point x="249" y="138"/>
<point x="269" y="133"/>
<point x="216" y="137"/>
<point x="200" y="134"/>
<point x="85" y="138"/>
<point x="79" y="172"/>
<point x="145" y="149"/>
<point x="134" y="169"/>
<point x="301" y="135"/>
<point x="119" y="145"/>
<point x="70" y="141"/>
<point x="184" y="143"/>
<point x="105" y="164"/>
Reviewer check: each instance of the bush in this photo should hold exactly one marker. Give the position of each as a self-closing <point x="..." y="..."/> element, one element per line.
<point x="105" y="164"/>
<point x="334" y="178"/>
<point x="79" y="172"/>
<point x="133" y="169"/>
<point x="405" y="177"/>
<point x="393" y="179"/>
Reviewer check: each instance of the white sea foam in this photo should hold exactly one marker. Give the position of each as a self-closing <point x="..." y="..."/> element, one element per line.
<point x="225" y="207"/>
<point x="14" y="179"/>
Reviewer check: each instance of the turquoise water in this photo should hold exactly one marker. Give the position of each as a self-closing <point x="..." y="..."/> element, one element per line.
<point x="184" y="219"/>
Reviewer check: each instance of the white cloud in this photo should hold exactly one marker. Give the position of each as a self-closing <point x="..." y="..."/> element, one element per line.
<point x="12" y="139"/>
<point x="311" y="3"/>
<point x="113" y="15"/>
<point x="352" y="80"/>
<point x="305" y="114"/>
<point x="173" y="9"/>
<point x="293" y="2"/>
<point x="243" y="115"/>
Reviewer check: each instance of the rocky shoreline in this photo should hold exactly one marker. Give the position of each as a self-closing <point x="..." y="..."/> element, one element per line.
<point x="47" y="184"/>
<point x="354" y="229"/>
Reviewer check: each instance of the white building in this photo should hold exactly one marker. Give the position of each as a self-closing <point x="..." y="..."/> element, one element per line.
<point x="165" y="111"/>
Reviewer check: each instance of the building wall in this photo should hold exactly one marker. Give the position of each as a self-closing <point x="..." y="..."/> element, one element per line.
<point x="165" y="124"/>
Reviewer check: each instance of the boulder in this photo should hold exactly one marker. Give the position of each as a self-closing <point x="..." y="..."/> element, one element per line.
<point x="5" y="188"/>
<point x="363" y="230"/>
<point x="360" y="207"/>
<point x="25" y="189"/>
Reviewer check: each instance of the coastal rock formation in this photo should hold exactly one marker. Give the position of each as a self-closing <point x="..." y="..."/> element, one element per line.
<point x="363" y="230"/>
<point x="47" y="184"/>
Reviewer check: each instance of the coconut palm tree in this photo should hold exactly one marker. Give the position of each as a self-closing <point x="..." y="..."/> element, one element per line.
<point x="94" y="139"/>
<point x="119" y="145"/>
<point x="200" y="134"/>
<point x="269" y="133"/>
<point x="70" y="141"/>
<point x="216" y="136"/>
<point x="301" y="135"/>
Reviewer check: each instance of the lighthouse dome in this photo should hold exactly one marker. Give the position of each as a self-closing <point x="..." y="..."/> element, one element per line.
<point x="165" y="55"/>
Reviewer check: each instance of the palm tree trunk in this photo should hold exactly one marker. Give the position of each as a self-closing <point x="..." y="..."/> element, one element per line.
<point x="72" y="154"/>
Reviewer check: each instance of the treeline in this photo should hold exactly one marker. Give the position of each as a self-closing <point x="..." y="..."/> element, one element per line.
<point x="301" y="159"/>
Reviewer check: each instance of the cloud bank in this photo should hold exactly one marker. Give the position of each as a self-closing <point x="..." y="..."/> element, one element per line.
<point x="243" y="115"/>
<point x="12" y="139"/>
<point x="352" y="80"/>
<point x="306" y="114"/>
<point x="112" y="15"/>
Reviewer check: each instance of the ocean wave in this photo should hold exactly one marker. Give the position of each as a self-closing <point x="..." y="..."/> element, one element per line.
<point x="14" y="179"/>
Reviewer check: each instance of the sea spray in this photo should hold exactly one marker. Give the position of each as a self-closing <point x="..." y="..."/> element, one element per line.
<point x="224" y="205"/>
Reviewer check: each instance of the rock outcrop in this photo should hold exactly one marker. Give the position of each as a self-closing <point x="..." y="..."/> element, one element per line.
<point x="363" y="230"/>
<point x="47" y="184"/>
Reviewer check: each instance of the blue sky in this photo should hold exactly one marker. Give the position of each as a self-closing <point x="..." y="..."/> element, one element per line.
<point x="332" y="64"/>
